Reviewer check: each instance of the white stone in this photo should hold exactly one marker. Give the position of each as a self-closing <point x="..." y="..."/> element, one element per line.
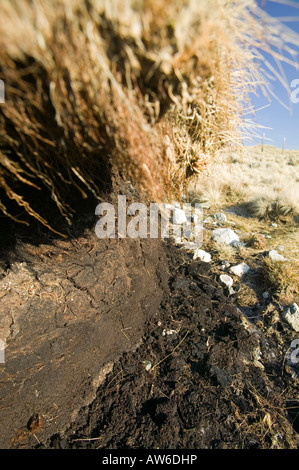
<point x="291" y="315"/>
<point x="226" y="280"/>
<point x="240" y="269"/>
<point x="179" y="216"/>
<point x="147" y="364"/>
<point x="231" y="291"/>
<point x="202" y="255"/>
<point x="169" y="332"/>
<point x="225" y="235"/>
<point x="275" y="256"/>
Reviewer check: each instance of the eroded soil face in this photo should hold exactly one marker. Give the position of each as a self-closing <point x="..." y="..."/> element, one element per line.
<point x="133" y="344"/>
<point x="68" y="311"/>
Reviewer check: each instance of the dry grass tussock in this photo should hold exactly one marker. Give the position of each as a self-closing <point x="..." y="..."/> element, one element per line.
<point x="283" y="280"/>
<point x="155" y="88"/>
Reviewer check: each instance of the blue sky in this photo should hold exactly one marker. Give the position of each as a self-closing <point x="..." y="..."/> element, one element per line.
<point x="283" y="122"/>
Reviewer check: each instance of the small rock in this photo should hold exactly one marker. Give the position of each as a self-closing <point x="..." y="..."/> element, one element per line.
<point x="220" y="217"/>
<point x="291" y="315"/>
<point x="179" y="216"/>
<point x="224" y="265"/>
<point x="266" y="295"/>
<point x="148" y="365"/>
<point x="275" y="256"/>
<point x="231" y="291"/>
<point x="224" y="235"/>
<point x="169" y="332"/>
<point x="202" y="255"/>
<point x="240" y="269"/>
<point x="274" y="224"/>
<point x="237" y="244"/>
<point x="226" y="280"/>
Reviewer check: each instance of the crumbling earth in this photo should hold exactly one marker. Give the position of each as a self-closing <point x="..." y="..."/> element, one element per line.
<point x="68" y="310"/>
<point x="133" y="344"/>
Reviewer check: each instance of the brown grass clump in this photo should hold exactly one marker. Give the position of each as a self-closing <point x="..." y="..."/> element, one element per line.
<point x="153" y="88"/>
<point x="257" y="241"/>
<point x="283" y="279"/>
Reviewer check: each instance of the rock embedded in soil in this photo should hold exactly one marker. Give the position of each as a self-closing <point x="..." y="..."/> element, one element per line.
<point x="226" y="280"/>
<point x="202" y="255"/>
<point x="225" y="236"/>
<point x="291" y="315"/>
<point x="240" y="269"/>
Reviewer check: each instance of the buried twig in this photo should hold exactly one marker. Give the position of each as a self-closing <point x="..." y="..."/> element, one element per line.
<point x="123" y="332"/>
<point x="88" y="439"/>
